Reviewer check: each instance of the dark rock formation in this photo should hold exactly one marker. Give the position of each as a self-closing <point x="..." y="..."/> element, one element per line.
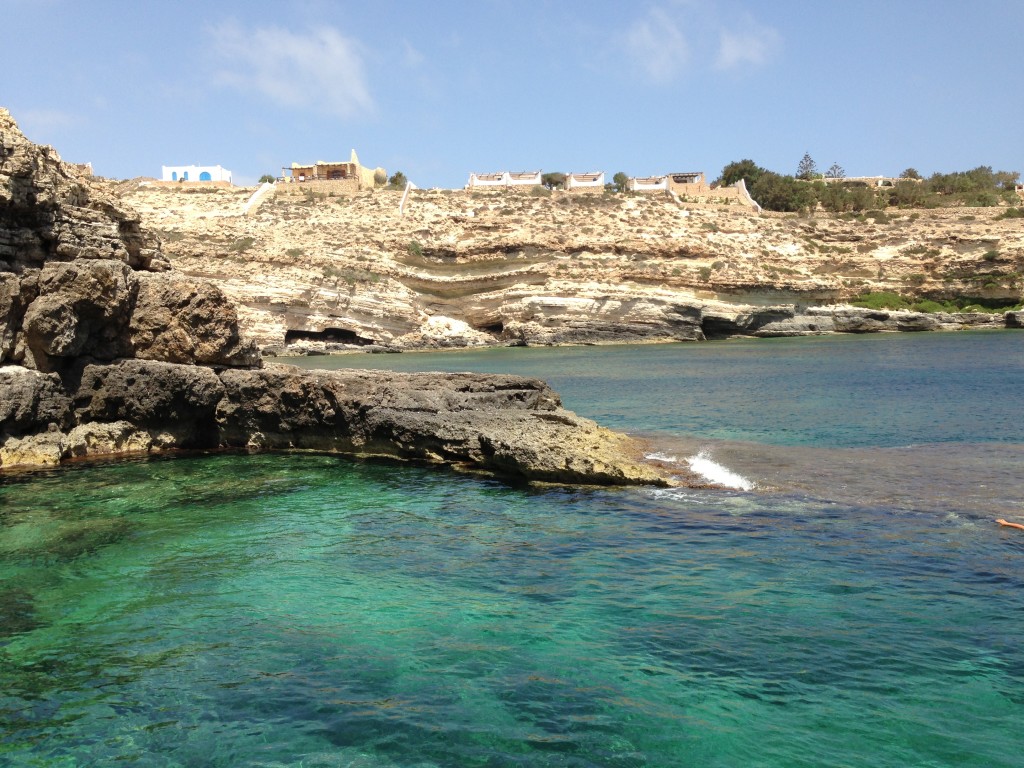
<point x="104" y="352"/>
<point x="507" y="424"/>
<point x="180" y="321"/>
<point x="815" y="321"/>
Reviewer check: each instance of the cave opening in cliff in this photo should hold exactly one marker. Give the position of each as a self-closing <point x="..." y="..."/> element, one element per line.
<point x="495" y="328"/>
<point x="718" y="328"/>
<point x="328" y="336"/>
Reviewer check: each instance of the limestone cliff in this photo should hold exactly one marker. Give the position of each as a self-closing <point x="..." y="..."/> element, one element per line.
<point x="106" y="351"/>
<point x="462" y="268"/>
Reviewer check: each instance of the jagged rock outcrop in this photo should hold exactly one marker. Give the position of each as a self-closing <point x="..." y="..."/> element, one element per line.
<point x="79" y="277"/>
<point x="508" y="424"/>
<point x="104" y="352"/>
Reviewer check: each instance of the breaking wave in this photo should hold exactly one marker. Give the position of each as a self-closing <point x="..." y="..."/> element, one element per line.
<point x="702" y="464"/>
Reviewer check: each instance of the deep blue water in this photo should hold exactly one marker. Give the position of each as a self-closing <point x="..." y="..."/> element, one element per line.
<point x="858" y="606"/>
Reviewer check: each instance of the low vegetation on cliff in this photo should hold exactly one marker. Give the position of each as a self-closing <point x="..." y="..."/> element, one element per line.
<point x="808" y="190"/>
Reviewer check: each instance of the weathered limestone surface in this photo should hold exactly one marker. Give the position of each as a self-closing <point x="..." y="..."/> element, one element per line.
<point x="180" y="321"/>
<point x="31" y="399"/>
<point x="103" y="352"/>
<point x="508" y="424"/>
<point x="319" y="273"/>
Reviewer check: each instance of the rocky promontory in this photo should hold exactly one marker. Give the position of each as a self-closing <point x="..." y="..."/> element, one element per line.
<point x="106" y="351"/>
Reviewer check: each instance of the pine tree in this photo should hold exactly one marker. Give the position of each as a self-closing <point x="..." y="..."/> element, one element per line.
<point x="807" y="170"/>
<point x="835" y="171"/>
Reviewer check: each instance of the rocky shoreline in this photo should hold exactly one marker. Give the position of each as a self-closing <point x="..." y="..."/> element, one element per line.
<point x="763" y="323"/>
<point x="506" y="425"/>
<point x="105" y="351"/>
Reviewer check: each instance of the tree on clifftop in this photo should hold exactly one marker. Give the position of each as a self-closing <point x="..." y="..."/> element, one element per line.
<point x="783" y="193"/>
<point x="620" y="182"/>
<point x="835" y="171"/>
<point x="553" y="180"/>
<point x="807" y="169"/>
<point x="910" y="173"/>
<point x="745" y="169"/>
<point x="398" y="180"/>
<point x="266" y="178"/>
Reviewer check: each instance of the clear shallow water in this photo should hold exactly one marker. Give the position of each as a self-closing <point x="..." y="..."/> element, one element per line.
<point x="858" y="608"/>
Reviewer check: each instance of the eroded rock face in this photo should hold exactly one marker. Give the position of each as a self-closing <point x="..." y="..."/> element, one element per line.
<point x="80" y="278"/>
<point x="180" y="321"/>
<point x="81" y="308"/>
<point x="50" y="212"/>
<point x="518" y="269"/>
<point x="31" y="401"/>
<point x="176" y="401"/>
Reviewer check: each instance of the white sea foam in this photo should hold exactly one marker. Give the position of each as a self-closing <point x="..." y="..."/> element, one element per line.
<point x="658" y="456"/>
<point x="703" y="465"/>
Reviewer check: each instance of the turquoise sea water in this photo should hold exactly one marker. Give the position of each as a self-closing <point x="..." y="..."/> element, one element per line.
<point x="857" y="606"/>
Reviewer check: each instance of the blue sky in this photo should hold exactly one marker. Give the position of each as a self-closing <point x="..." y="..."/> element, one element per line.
<point x="439" y="89"/>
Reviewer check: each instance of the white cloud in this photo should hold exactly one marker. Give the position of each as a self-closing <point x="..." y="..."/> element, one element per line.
<point x="657" y="46"/>
<point x="319" y="69"/>
<point x="682" y="35"/>
<point x="752" y="45"/>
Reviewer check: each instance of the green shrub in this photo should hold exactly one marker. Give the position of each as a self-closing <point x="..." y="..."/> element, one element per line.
<point x="1011" y="213"/>
<point x="705" y="273"/>
<point x="295" y="252"/>
<point x="917" y="278"/>
<point x="880" y="300"/>
<point x="783" y="193"/>
<point x="927" y="305"/>
<point x="879" y="217"/>
<point x="990" y="255"/>
<point x="242" y="244"/>
<point x="415" y="248"/>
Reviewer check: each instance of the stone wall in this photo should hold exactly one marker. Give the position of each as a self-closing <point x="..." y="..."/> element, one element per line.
<point x="332" y="188"/>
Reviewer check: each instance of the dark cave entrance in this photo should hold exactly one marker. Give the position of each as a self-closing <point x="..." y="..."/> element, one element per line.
<point x="328" y="336"/>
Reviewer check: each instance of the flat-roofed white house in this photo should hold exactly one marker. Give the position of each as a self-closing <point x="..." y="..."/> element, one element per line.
<point x="195" y="173"/>
<point x="648" y="184"/>
<point x="504" y="179"/>
<point x="594" y="179"/>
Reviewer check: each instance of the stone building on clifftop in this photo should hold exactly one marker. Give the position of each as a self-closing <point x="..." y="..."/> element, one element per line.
<point x="195" y="173"/>
<point x="584" y="183"/>
<point x="350" y="177"/>
<point x="504" y="180"/>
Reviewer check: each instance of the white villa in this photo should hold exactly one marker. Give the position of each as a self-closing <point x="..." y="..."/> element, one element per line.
<point x="648" y="184"/>
<point x="195" y="173"/>
<point x="504" y="179"/>
<point x="585" y="180"/>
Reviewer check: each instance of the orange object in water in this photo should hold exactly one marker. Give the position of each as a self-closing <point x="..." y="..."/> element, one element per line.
<point x="1010" y="525"/>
